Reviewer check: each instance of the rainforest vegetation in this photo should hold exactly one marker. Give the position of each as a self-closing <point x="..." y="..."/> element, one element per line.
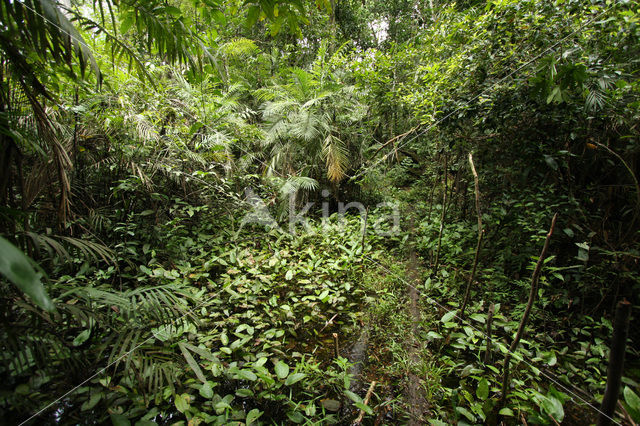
<point x="319" y="212"/>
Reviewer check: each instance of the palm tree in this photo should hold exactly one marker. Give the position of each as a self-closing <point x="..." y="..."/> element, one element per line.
<point x="311" y="120"/>
<point x="42" y="38"/>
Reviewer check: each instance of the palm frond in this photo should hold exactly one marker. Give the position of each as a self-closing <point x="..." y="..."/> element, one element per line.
<point x="301" y="83"/>
<point x="277" y="109"/>
<point x="336" y="158"/>
<point x="28" y="347"/>
<point x="597" y="96"/>
<point x="295" y="183"/>
<point x="144" y="129"/>
<point x="264" y="94"/>
<point x="53" y="244"/>
<point x="39" y="26"/>
<point x="307" y="126"/>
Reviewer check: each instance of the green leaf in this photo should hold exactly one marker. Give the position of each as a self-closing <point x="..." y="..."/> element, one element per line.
<point x="294" y="378"/>
<point x="22" y="389"/>
<point x="276" y="25"/>
<point x="18" y="269"/>
<point x="483" y="389"/>
<point x="219" y="17"/>
<point x="82" y="337"/>
<point x="252" y="15"/>
<point x="282" y="370"/>
<point x="324" y="296"/>
<point x="295" y="416"/>
<point x="192" y="362"/>
<point x="633" y="401"/>
<point x="448" y="316"/>
<point x="247" y="375"/>
<point x="506" y="412"/>
<point x="551" y="162"/>
<point x="478" y="317"/>
<point x="552" y="406"/>
<point x="92" y="402"/>
<point x="433" y="335"/>
<point x="555" y="95"/>
<point x="244" y="393"/>
<point x="364" y="408"/>
<point x="181" y="402"/>
<point x="173" y="11"/>
<point x="550" y="358"/>
<point x="252" y="416"/>
<point x="204" y="353"/>
<point x="120" y="420"/>
<point x="127" y="22"/>
<point x="468" y="414"/>
<point x="146" y="423"/>
<point x="330" y="404"/>
<point x="353" y="396"/>
<point x="206" y="391"/>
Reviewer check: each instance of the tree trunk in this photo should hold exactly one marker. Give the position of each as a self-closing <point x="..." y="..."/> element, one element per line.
<point x="616" y="363"/>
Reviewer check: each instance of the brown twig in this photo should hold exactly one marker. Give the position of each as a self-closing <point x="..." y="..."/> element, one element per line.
<point x="396" y="138"/>
<point x="625" y="414"/>
<point x="328" y="322"/>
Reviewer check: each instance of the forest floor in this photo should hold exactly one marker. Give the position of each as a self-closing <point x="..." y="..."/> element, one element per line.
<point x="416" y="402"/>
<point x="299" y="327"/>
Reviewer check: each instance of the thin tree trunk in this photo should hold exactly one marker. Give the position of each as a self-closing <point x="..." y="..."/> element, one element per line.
<point x="332" y="24"/>
<point x="523" y="322"/>
<point x="453" y="192"/>
<point x="364" y="228"/>
<point x="467" y="291"/>
<point x="487" y="353"/>
<point x="442" y="216"/>
<point x="364" y="235"/>
<point x="433" y="189"/>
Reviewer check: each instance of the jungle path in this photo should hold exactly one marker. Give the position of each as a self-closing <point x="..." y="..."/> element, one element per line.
<point x="416" y="402"/>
